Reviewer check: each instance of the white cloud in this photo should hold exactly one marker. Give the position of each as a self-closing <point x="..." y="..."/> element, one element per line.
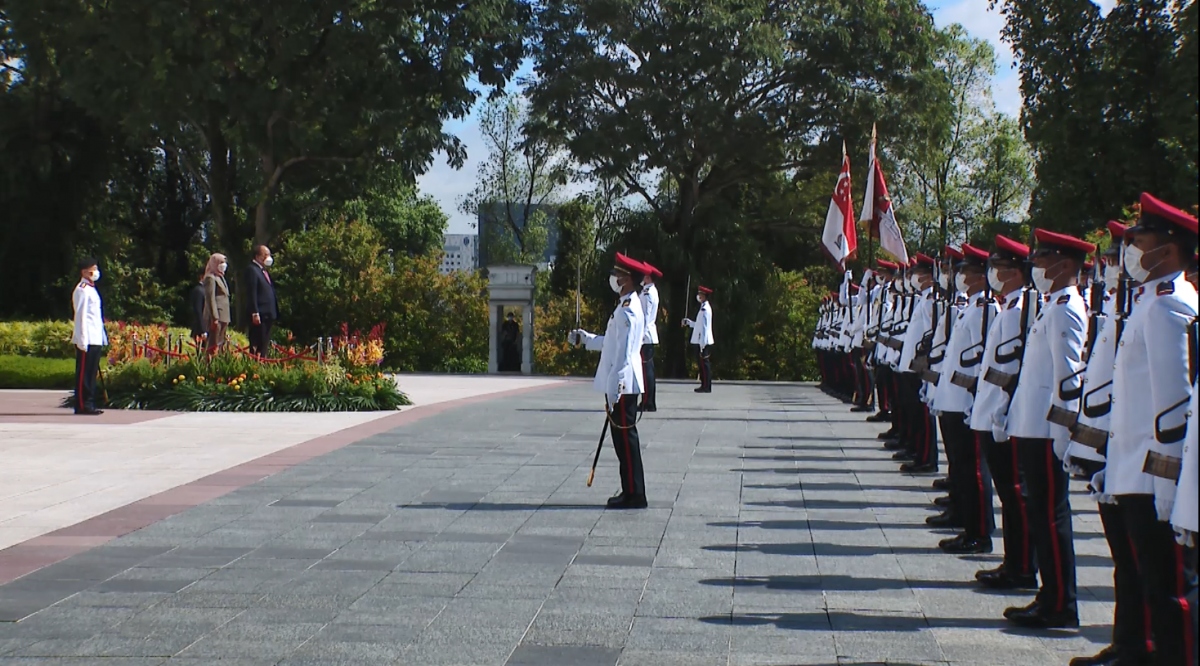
<point x="448" y="185"/>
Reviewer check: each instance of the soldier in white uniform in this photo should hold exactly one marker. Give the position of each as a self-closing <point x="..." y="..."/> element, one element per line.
<point x="879" y="332"/>
<point x="88" y="337"/>
<point x="1131" y="639"/>
<point x="922" y="455"/>
<point x="998" y="371"/>
<point x="650" y="339"/>
<point x="1152" y="387"/>
<point x="1051" y="379"/>
<point x="970" y="481"/>
<point x="948" y="305"/>
<point x="702" y="337"/>
<point x="619" y="377"/>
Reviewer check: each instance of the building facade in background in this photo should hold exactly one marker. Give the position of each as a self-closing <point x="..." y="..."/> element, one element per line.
<point x="460" y="252"/>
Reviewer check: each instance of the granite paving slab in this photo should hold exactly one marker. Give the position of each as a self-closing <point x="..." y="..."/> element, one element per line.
<point x="778" y="532"/>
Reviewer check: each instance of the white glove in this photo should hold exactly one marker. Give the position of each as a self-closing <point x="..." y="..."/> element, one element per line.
<point x="1164" y="498"/>
<point x="1061" y="444"/>
<point x="1073" y="468"/>
<point x="82" y="348"/>
<point x="579" y="337"/>
<point x="1096" y="487"/>
<point x="1185" y="538"/>
<point x="689" y="323"/>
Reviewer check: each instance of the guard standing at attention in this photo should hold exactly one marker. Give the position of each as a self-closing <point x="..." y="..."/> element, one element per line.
<point x="650" y="339"/>
<point x="1152" y="386"/>
<point x="1051" y="379"/>
<point x="702" y="337"/>
<point x="619" y="376"/>
<point x="1132" y="642"/>
<point x="88" y="336"/>
<point x="998" y="370"/>
<point x="922" y="455"/>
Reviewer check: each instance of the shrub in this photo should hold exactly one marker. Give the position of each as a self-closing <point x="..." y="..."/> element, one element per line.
<point x="27" y="372"/>
<point x="463" y="366"/>
<point x="552" y="355"/>
<point x="52" y="339"/>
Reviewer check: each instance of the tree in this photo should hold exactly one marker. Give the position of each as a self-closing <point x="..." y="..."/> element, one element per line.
<point x="1001" y="179"/>
<point x="521" y="175"/>
<point x="936" y="171"/>
<point x="251" y="95"/>
<point x="1110" y="104"/>
<point x="706" y="96"/>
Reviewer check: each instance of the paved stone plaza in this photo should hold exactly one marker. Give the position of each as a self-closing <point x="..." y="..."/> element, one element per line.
<point x="778" y="532"/>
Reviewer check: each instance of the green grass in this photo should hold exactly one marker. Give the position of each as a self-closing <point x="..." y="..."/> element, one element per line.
<point x="28" y="372"/>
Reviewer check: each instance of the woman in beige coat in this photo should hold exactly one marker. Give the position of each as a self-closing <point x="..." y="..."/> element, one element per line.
<point x="216" y="301"/>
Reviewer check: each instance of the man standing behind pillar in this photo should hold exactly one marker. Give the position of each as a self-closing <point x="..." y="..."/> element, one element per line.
<point x="650" y="339"/>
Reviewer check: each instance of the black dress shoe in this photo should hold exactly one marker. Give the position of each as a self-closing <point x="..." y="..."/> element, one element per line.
<point x="991" y="573"/>
<point x="902" y="455"/>
<point x="862" y="408"/>
<point x="891" y="434"/>
<point x="1007" y="581"/>
<point x="914" y="468"/>
<point x="941" y="484"/>
<point x="1115" y="656"/>
<point x="1036" y="619"/>
<point x="944" y="519"/>
<point x="1031" y="607"/>
<point x="628" y="502"/>
<point x="893" y="445"/>
<point x="702" y="390"/>
<point x="969" y="546"/>
<point x="89" y="412"/>
<point x="952" y="540"/>
<point x="880" y="417"/>
<point x="943" y="501"/>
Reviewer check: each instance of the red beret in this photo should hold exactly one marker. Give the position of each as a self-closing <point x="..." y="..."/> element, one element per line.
<point x="1116" y="229"/>
<point x="1158" y="216"/>
<point x="1050" y="240"/>
<point x="652" y="270"/>
<point x="705" y="290"/>
<point x="923" y="258"/>
<point x="629" y="264"/>
<point x="888" y="265"/>
<point x="952" y="252"/>
<point x="1008" y="249"/>
<point x="974" y="254"/>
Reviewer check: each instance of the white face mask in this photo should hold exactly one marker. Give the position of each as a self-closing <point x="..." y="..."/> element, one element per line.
<point x="1133" y="263"/>
<point x="698" y="299"/>
<point x="270" y="261"/>
<point x="944" y="280"/>
<point x="95" y="274"/>
<point x="1040" y="282"/>
<point x="914" y="282"/>
<point x="222" y="266"/>
<point x="960" y="283"/>
<point x="994" y="280"/>
<point x="614" y="284"/>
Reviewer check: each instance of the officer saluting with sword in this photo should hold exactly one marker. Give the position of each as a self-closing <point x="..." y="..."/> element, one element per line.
<point x="619" y="377"/>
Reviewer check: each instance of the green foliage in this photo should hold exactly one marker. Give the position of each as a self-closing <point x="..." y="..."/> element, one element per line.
<point x="25" y="372"/>
<point x="1110" y="105"/>
<point x="555" y="317"/>
<point x="463" y="366"/>
<point x="340" y="273"/>
<point x="238" y="383"/>
<point x="46" y="339"/>
<point x="779" y="346"/>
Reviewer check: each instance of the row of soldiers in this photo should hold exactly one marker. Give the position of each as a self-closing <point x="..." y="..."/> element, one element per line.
<point x="1039" y="365"/>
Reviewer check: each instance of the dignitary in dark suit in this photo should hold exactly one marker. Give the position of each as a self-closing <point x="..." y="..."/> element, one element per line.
<point x="262" y="306"/>
<point x="196" y="304"/>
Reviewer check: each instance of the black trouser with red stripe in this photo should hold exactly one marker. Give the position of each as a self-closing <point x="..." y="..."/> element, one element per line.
<point x="704" y="360"/>
<point x="1048" y="500"/>
<point x="627" y="446"/>
<point x="922" y="431"/>
<point x="1131" y="617"/>
<point x="883" y="388"/>
<point x="862" y="378"/>
<point x="1019" y="557"/>
<point x="1167" y="572"/>
<point x="648" y="401"/>
<point x="970" y="481"/>
<point x="87" y="365"/>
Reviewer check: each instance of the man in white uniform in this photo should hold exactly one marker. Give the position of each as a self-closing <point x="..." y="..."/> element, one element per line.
<point x="88" y="336"/>
<point x="702" y="337"/>
<point x="650" y="339"/>
<point x="1152" y="386"/>
<point x="1042" y="412"/>
<point x="619" y="377"/>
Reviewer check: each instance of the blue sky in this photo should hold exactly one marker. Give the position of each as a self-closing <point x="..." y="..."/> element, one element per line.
<point x="448" y="186"/>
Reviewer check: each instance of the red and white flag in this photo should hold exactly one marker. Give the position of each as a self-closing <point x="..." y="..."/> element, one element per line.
<point x="878" y="210"/>
<point x="839" y="238"/>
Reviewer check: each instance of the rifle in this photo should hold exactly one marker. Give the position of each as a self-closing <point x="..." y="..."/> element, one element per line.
<point x="1004" y="380"/>
<point x="578" y="299"/>
<point x="966" y="381"/>
<point x="1097" y="308"/>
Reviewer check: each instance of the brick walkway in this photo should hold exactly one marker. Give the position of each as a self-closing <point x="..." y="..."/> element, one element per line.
<point x="779" y="532"/>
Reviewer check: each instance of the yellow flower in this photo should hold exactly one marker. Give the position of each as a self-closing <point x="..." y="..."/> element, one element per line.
<point x="181" y="378"/>
<point x="256" y="375"/>
<point x="200" y="379"/>
<point x="236" y="387"/>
